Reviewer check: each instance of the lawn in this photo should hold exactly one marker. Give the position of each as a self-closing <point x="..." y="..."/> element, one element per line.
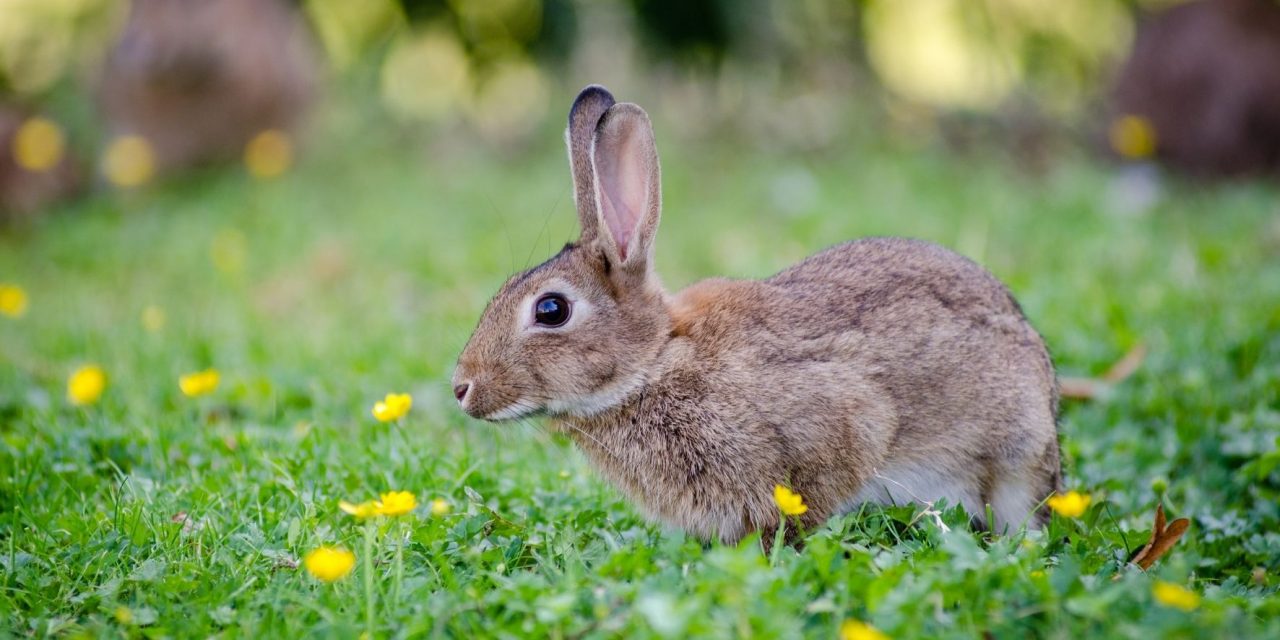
<point x="150" y="513"/>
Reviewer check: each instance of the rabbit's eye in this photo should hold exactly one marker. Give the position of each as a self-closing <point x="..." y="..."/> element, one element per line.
<point x="551" y="310"/>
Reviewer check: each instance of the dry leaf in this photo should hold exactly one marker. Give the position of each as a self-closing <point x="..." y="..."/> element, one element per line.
<point x="1090" y="388"/>
<point x="1162" y="539"/>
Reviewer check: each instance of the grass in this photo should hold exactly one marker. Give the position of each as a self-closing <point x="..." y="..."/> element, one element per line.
<point x="153" y="514"/>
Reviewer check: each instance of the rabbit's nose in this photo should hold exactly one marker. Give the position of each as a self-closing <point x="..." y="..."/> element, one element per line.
<point x="460" y="391"/>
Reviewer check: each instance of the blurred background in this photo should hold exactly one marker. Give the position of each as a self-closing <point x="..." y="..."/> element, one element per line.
<point x="111" y="94"/>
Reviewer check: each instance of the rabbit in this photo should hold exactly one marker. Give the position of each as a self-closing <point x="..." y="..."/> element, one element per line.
<point x="881" y="370"/>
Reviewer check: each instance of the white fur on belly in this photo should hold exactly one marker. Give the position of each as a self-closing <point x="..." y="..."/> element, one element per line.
<point x="905" y="484"/>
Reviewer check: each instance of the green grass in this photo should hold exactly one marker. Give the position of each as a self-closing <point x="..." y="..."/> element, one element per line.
<point x="363" y="272"/>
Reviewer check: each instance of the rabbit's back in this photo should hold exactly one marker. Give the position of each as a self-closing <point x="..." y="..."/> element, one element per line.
<point x="913" y="299"/>
<point x="970" y="381"/>
<point x="880" y="274"/>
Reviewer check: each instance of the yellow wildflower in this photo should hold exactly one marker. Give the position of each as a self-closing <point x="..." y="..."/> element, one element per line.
<point x="440" y="507"/>
<point x="268" y="154"/>
<point x="129" y="162"/>
<point x="788" y="501"/>
<point x="153" y="318"/>
<point x="858" y="630"/>
<point x="13" y="300"/>
<point x="396" y="503"/>
<point x="199" y="383"/>
<point x="392" y="407"/>
<point x="1071" y="504"/>
<point x="1133" y="137"/>
<point x="365" y="509"/>
<point x="1176" y="596"/>
<point x="329" y="564"/>
<point x="38" y="145"/>
<point x="86" y="385"/>
<point x="124" y="615"/>
<point x="391" y="503"/>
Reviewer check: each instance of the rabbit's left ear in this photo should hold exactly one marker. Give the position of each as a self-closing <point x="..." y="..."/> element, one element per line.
<point x="628" y="186"/>
<point x="585" y="114"/>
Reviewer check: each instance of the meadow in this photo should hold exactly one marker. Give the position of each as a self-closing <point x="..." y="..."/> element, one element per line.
<point x="148" y="512"/>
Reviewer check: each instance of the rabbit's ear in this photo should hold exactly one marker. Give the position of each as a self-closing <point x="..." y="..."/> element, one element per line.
<point x="628" y="185"/>
<point x="586" y="112"/>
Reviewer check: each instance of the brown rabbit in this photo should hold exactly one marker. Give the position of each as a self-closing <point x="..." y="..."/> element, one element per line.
<point x="883" y="370"/>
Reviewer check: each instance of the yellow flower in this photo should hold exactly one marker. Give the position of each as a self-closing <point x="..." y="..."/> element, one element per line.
<point x="268" y="154"/>
<point x="858" y="630"/>
<point x="153" y="318"/>
<point x="86" y="385"/>
<point x="1071" y="504"/>
<point x="391" y="503"/>
<point x="124" y="615"/>
<point x="788" y="501"/>
<point x="329" y="564"/>
<point x="38" y="145"/>
<point x="440" y="507"/>
<point x="13" y="300"/>
<point x="1176" y="596"/>
<point x="1133" y="137"/>
<point x="199" y="383"/>
<point x="363" y="510"/>
<point x="393" y="407"/>
<point x="129" y="162"/>
<point x="396" y="503"/>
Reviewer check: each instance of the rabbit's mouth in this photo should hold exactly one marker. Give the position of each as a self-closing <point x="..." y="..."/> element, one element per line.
<point x="481" y="397"/>
<point x="521" y="408"/>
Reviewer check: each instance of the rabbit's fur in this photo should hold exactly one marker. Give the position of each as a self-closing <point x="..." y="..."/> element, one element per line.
<point x="884" y="369"/>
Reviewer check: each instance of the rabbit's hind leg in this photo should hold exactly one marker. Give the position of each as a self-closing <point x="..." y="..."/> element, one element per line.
<point x="1016" y="498"/>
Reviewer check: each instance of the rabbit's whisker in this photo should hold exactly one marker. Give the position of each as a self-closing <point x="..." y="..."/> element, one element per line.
<point x="594" y="439"/>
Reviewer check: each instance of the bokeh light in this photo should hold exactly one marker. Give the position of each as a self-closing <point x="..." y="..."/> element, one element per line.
<point x="348" y="29"/>
<point x="512" y="100"/>
<point x="39" y="144"/>
<point x="42" y="40"/>
<point x="426" y="76"/>
<point x="921" y="49"/>
<point x="13" y="300"/>
<point x="268" y="154"/>
<point x="1133" y="137"/>
<point x="129" y="161"/>
<point x="154" y="318"/>
<point x="229" y="251"/>
<point x="958" y="54"/>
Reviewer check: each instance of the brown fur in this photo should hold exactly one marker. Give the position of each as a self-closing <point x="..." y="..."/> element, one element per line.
<point x="875" y="366"/>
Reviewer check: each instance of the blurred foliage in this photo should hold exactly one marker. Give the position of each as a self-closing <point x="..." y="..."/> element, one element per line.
<point x="42" y="41"/>
<point x="966" y="54"/>
<point x="975" y="54"/>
